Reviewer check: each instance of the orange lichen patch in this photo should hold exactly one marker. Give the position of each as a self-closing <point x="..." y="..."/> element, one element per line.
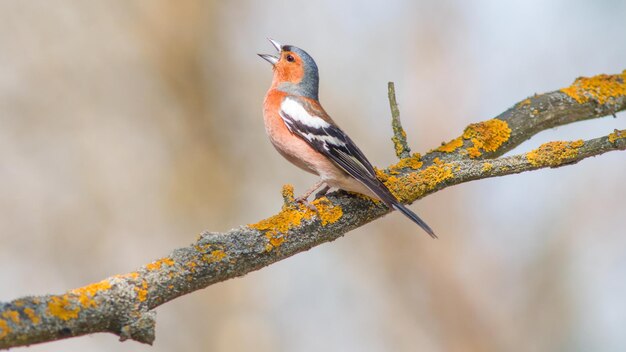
<point x="416" y="184"/>
<point x="18" y="303"/>
<point x="32" y="316"/>
<point x="4" y="329"/>
<point x="451" y="146"/>
<point x="617" y="134"/>
<point x="85" y="294"/>
<point x="486" y="136"/>
<point x="327" y="211"/>
<point x="156" y="265"/>
<point x="62" y="308"/>
<point x="524" y="102"/>
<point x="380" y="174"/>
<point x="203" y="247"/>
<point x="288" y="193"/>
<point x="192" y="266"/>
<point x="12" y="315"/>
<point x="142" y="292"/>
<point x="215" y="256"/>
<point x="412" y="162"/>
<point x="554" y="153"/>
<point x="487" y="167"/>
<point x="290" y="216"/>
<point x="132" y="275"/>
<point x="601" y="88"/>
<point x="397" y="142"/>
<point x="275" y="240"/>
<point x="209" y="253"/>
<point x="276" y="227"/>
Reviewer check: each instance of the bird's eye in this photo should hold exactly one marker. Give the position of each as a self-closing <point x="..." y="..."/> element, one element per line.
<point x="290" y="58"/>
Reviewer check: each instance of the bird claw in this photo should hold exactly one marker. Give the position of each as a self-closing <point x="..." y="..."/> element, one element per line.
<point x="303" y="201"/>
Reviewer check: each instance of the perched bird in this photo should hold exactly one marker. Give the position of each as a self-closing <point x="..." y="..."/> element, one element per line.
<point x="304" y="134"/>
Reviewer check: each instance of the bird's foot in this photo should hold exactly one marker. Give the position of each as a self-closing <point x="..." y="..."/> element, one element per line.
<point x="322" y="192"/>
<point x="304" y="201"/>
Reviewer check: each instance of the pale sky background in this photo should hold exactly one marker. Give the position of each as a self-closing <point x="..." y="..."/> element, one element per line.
<point x="128" y="127"/>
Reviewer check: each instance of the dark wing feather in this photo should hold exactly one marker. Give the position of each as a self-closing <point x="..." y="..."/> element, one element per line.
<point x="306" y="122"/>
<point x="328" y="139"/>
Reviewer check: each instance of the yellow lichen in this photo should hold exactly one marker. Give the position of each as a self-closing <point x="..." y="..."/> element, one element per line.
<point x="397" y="143"/>
<point x="380" y="174"/>
<point x="132" y="275"/>
<point x="142" y="292"/>
<point x="203" y="247"/>
<point x="292" y="215"/>
<point x="12" y="315"/>
<point x="327" y="211"/>
<point x="416" y="184"/>
<point x="617" y="134"/>
<point x="601" y="88"/>
<point x="554" y="153"/>
<point x="32" y="316"/>
<point x="276" y="227"/>
<point x="4" y="329"/>
<point x="62" y="308"/>
<point x="524" y="102"/>
<point x="85" y="294"/>
<point x="412" y="162"/>
<point x="487" y="167"/>
<point x="451" y="146"/>
<point x="288" y="195"/>
<point x="215" y="256"/>
<point x="486" y="136"/>
<point x="156" y="265"/>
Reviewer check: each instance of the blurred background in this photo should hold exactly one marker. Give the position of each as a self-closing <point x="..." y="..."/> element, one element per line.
<point x="128" y="127"/>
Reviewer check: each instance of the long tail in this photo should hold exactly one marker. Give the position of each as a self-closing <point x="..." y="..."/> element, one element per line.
<point x="388" y="198"/>
<point x="416" y="219"/>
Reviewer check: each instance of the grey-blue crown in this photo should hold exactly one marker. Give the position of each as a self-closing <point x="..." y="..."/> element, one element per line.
<point x="309" y="86"/>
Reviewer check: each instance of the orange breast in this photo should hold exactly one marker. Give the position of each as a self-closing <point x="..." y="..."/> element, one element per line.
<point x="290" y="146"/>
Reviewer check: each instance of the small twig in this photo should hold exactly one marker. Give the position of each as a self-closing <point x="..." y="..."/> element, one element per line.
<point x="399" y="136"/>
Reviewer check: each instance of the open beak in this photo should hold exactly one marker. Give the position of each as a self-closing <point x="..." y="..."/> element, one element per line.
<point x="271" y="58"/>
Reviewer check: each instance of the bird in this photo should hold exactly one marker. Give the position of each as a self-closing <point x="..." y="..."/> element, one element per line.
<point x="303" y="133"/>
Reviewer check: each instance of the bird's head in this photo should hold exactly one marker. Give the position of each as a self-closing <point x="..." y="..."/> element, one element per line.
<point x="295" y="71"/>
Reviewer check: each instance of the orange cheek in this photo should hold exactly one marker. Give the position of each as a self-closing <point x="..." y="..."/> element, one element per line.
<point x="290" y="73"/>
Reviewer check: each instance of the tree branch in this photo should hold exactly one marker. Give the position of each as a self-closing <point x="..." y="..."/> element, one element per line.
<point x="399" y="136"/>
<point x="123" y="304"/>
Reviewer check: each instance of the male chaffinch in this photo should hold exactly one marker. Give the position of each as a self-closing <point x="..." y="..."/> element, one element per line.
<point x="304" y="134"/>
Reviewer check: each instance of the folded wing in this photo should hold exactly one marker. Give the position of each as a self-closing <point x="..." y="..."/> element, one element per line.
<point x="310" y="122"/>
